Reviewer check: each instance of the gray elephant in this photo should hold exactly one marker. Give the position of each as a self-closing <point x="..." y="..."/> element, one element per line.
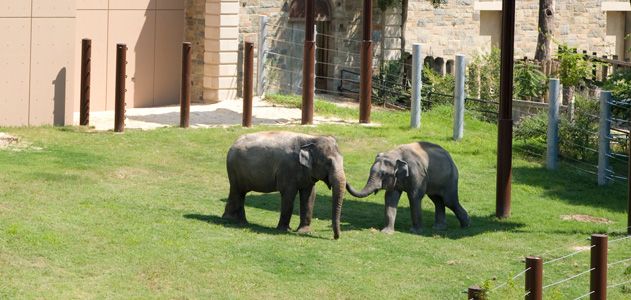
<point x="290" y="163"/>
<point x="417" y="169"/>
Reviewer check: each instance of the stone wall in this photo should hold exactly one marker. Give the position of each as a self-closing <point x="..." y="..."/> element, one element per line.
<point x="462" y="26"/>
<point x="195" y="23"/>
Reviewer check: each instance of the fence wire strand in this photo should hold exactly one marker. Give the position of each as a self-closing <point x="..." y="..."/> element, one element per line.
<point x="568" y="279"/>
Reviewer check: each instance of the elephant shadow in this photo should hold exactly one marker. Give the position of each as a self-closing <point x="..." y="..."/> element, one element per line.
<point x="365" y="215"/>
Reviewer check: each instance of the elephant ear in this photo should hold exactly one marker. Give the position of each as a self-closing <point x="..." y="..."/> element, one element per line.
<point x="305" y="155"/>
<point x="402" y="170"/>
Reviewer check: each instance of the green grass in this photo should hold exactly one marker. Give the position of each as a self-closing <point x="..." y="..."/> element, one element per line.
<point x="137" y="215"/>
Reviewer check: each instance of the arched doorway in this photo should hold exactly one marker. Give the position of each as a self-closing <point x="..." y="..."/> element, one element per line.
<point x="323" y="37"/>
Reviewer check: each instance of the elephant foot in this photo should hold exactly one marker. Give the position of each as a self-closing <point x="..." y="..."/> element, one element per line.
<point x="416" y="230"/>
<point x="387" y="230"/>
<point x="304" y="229"/>
<point x="283" y="228"/>
<point x="465" y="223"/>
<point x="440" y="226"/>
<point x="238" y="218"/>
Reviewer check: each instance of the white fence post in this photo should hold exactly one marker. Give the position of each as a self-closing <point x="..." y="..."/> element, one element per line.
<point x="262" y="53"/>
<point x="553" y="124"/>
<point x="603" y="137"/>
<point x="459" y="98"/>
<point x="417" y="84"/>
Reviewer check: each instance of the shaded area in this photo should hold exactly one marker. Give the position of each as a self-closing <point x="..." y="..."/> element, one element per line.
<point x="361" y="215"/>
<point x="251" y="226"/>
<point x="573" y="186"/>
<point x="59" y="98"/>
<point x="220" y="116"/>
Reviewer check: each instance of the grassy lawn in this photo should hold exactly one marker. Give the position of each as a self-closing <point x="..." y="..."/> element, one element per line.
<point x="137" y="215"/>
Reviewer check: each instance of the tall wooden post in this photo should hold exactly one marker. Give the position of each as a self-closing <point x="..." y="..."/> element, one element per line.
<point x="308" y="67"/>
<point x="365" y="85"/>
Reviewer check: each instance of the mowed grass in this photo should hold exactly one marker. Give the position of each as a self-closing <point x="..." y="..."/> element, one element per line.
<point x="138" y="215"/>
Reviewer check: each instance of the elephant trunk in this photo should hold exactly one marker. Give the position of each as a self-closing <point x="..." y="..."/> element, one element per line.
<point x="372" y="186"/>
<point x="338" y="181"/>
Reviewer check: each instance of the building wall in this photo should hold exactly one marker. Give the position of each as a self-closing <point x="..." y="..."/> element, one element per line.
<point x="469" y="27"/>
<point x="194" y="33"/>
<point x="37" y="62"/>
<point x="153" y="31"/>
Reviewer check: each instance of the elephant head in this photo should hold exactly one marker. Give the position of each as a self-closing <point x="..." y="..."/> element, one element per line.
<point x="322" y="158"/>
<point x="385" y="172"/>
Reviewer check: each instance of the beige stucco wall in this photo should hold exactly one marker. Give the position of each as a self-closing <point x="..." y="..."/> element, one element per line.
<point x="37" y="62"/>
<point x="153" y="31"/>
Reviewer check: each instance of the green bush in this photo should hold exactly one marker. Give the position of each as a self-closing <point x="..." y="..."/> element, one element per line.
<point x="530" y="82"/>
<point x="533" y="128"/>
<point x="388" y="86"/>
<point x="441" y="86"/>
<point x="578" y="136"/>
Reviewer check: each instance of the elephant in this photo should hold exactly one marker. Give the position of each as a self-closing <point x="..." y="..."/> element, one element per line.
<point x="289" y="163"/>
<point x="418" y="169"/>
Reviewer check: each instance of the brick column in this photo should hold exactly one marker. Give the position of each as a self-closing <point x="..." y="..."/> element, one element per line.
<point x="195" y="26"/>
<point x="221" y="50"/>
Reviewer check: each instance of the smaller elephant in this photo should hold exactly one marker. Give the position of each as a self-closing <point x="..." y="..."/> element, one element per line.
<point x="290" y="163"/>
<point x="417" y="169"/>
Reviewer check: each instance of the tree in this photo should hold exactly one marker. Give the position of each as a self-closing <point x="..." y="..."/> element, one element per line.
<point x="546" y="20"/>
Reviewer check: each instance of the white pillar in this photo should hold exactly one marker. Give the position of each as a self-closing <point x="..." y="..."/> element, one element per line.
<point x="417" y="83"/>
<point x="603" y="138"/>
<point x="553" y="124"/>
<point x="459" y="95"/>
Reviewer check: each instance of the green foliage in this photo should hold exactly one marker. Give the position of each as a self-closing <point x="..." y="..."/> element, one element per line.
<point x="620" y="85"/>
<point x="385" y="4"/>
<point x="578" y="136"/>
<point x="436" y="84"/>
<point x="573" y="68"/>
<point x="387" y="85"/>
<point x="488" y="67"/>
<point x="530" y="82"/>
<point x="533" y="128"/>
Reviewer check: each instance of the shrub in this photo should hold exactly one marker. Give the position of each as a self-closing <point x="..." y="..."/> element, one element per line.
<point x="388" y="86"/>
<point x="530" y="82"/>
<point x="580" y="135"/>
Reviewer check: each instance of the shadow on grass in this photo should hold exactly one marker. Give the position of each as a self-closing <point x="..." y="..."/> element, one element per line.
<point x="363" y="215"/>
<point x="251" y="226"/>
<point x="573" y="186"/>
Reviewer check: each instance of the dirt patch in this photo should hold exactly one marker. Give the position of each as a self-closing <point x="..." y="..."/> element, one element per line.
<point x="585" y="219"/>
<point x="7" y="140"/>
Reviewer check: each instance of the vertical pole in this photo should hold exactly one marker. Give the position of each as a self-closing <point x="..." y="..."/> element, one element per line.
<point x="534" y="278"/>
<point x="262" y="56"/>
<point x="505" y="130"/>
<point x="119" y="105"/>
<point x="475" y="292"/>
<point x="86" y="70"/>
<point x="605" y="69"/>
<point x="459" y="98"/>
<point x="365" y="85"/>
<point x="614" y="66"/>
<point x="598" y="276"/>
<point x="247" y="83"/>
<point x="553" y="124"/>
<point x="185" y="98"/>
<point x="417" y="84"/>
<point x="629" y="180"/>
<point x="603" y="137"/>
<point x="308" y="70"/>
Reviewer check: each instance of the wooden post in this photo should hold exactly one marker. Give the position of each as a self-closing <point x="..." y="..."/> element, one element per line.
<point x="185" y="98"/>
<point x="365" y="88"/>
<point x="86" y="70"/>
<point x="248" y="74"/>
<point x="598" y="276"/>
<point x="119" y="105"/>
<point x="534" y="278"/>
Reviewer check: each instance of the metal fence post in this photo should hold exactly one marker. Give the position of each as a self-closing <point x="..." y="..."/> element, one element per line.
<point x="475" y="292"/>
<point x="365" y="85"/>
<point x="119" y="105"/>
<point x="598" y="276"/>
<point x="185" y="98"/>
<point x="86" y="70"/>
<point x="603" y="137"/>
<point x="534" y="278"/>
<point x="553" y="124"/>
<point x="247" y="83"/>
<point x="262" y="56"/>
<point x="308" y="70"/>
<point x="459" y="98"/>
<point x="417" y="84"/>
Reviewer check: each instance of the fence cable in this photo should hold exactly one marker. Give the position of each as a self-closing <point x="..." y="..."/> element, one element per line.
<point x="569" y="255"/>
<point x="618" y="262"/>
<point x="512" y="279"/>
<point x="567" y="279"/>
<point x="618" y="284"/>
<point x="620" y="239"/>
<point x="584" y="295"/>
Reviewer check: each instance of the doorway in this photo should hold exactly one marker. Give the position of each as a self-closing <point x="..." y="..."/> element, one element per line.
<point x="322" y="56"/>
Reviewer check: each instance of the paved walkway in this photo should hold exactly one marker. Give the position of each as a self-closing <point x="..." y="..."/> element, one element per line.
<point x="222" y="114"/>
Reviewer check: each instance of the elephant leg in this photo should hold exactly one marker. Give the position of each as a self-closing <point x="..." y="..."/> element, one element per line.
<point x="235" y="209"/>
<point x="286" y="208"/>
<point x="392" y="201"/>
<point x="415" y="198"/>
<point x="440" y="221"/>
<point x="454" y="205"/>
<point x="307" y="199"/>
